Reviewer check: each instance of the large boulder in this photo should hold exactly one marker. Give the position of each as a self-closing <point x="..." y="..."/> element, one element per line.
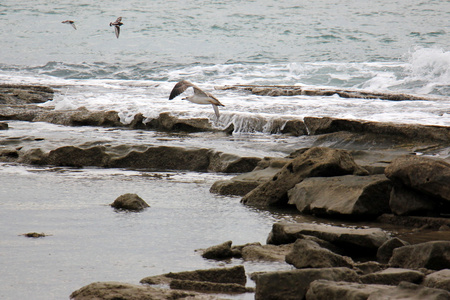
<point x="294" y="284"/>
<point x="352" y="238"/>
<point x="340" y="290"/>
<point x="438" y="280"/>
<point x="119" y="290"/>
<point x="428" y="175"/>
<point x="410" y="291"/>
<point x="433" y="255"/>
<point x="393" y="276"/>
<point x="315" y="162"/>
<point x="308" y="254"/>
<point x="342" y="195"/>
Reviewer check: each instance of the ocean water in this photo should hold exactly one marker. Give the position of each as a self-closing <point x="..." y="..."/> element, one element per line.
<point x="381" y="46"/>
<point x="384" y="46"/>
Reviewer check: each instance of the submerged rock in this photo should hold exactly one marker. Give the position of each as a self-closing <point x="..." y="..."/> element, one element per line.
<point x="314" y="162"/>
<point x="131" y="202"/>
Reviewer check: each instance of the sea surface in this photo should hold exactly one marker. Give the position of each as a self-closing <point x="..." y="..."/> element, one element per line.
<point x="379" y="45"/>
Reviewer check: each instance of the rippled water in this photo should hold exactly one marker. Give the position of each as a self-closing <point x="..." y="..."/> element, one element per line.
<point x="381" y="45"/>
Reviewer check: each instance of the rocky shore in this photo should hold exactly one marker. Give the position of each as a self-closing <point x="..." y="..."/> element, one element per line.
<point x="352" y="170"/>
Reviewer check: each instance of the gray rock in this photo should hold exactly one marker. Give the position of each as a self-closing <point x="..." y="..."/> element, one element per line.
<point x="77" y="157"/>
<point x="295" y="128"/>
<point x="384" y="253"/>
<point x="342" y="195"/>
<point x="218" y="275"/>
<point x="222" y="251"/>
<point x="233" y="187"/>
<point x="380" y="130"/>
<point x="244" y="183"/>
<point x="210" y="287"/>
<point x="266" y="252"/>
<point x="433" y="255"/>
<point x="428" y="175"/>
<point x="131" y="202"/>
<point x="438" y="280"/>
<point x="119" y="290"/>
<point x="368" y="267"/>
<point x="294" y="284"/>
<point x="308" y="254"/>
<point x="368" y="238"/>
<point x="340" y="290"/>
<point x="230" y="163"/>
<point x="315" y="162"/>
<point x="164" y="158"/>
<point x="24" y="94"/>
<point x="165" y="121"/>
<point x="393" y="276"/>
<point x="406" y="201"/>
<point x="410" y="291"/>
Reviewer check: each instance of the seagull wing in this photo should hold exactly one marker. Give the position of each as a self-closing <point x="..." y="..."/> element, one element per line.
<point x="117" y="30"/>
<point x="119" y="19"/>
<point x="179" y="88"/>
<point x="216" y="110"/>
<point x="73" y="25"/>
<point x="213" y="99"/>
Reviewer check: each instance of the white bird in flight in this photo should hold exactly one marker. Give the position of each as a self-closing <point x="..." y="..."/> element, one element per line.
<point x="199" y="96"/>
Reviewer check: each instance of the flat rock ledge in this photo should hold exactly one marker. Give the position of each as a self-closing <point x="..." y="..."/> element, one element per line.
<point x="296" y="90"/>
<point x="198" y="284"/>
<point x="159" y="158"/>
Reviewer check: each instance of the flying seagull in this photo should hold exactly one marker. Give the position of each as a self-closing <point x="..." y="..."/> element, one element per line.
<point x="117" y="23"/>
<point x="70" y="22"/>
<point x="199" y="97"/>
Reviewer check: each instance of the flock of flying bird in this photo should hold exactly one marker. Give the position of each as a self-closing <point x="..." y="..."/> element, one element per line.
<point x="199" y="96"/>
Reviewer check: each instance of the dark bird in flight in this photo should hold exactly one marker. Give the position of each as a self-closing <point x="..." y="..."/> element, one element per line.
<point x="70" y="22"/>
<point x="117" y="23"/>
